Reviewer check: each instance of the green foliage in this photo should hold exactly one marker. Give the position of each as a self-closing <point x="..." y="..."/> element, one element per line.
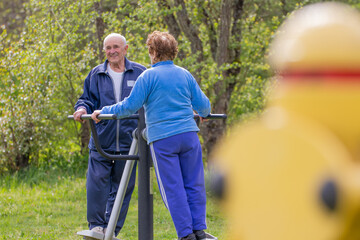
<point x="42" y="74"/>
<point x="43" y="64"/>
<point x="253" y="82"/>
<point x="23" y="104"/>
<point x="135" y="20"/>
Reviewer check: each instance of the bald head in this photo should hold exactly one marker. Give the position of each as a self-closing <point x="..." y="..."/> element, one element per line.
<point x="115" y="36"/>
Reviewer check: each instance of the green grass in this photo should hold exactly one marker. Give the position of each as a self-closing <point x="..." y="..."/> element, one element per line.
<point x="51" y="204"/>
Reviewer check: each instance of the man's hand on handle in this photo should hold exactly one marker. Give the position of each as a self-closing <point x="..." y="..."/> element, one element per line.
<point x="77" y="115"/>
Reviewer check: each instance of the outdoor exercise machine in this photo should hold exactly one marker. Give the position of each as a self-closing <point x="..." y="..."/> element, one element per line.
<point x="139" y="151"/>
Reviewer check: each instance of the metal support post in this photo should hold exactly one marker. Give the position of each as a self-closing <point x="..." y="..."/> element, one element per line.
<point x="122" y="190"/>
<point x="145" y="194"/>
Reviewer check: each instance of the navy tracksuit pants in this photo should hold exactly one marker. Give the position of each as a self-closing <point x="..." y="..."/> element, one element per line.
<point x="180" y="174"/>
<point x="102" y="183"/>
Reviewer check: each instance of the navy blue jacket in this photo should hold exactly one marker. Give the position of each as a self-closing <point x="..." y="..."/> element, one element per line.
<point x="114" y="135"/>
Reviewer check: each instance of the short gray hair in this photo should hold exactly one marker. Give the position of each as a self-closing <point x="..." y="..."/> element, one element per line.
<point x="117" y="35"/>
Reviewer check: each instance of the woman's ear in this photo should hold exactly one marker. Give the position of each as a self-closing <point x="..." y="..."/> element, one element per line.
<point x="153" y="57"/>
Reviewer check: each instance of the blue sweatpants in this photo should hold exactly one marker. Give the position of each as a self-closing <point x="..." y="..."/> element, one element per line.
<point x="180" y="174"/>
<point x="102" y="183"/>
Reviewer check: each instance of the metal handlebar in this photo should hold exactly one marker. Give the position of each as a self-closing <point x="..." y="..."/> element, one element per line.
<point x="212" y="116"/>
<point x="96" y="138"/>
<point x="114" y="117"/>
<point x="136" y="116"/>
<point x="105" y="116"/>
<point x="105" y="154"/>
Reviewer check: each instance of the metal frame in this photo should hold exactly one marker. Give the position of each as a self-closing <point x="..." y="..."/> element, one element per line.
<point x="145" y="196"/>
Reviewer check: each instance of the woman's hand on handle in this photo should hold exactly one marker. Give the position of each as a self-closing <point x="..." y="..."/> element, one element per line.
<point x="95" y="114"/>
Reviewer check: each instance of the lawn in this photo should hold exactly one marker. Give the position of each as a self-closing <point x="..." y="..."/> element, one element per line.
<point x="51" y="204"/>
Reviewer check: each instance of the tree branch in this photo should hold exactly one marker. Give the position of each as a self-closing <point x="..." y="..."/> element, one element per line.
<point x="236" y="29"/>
<point x="172" y="24"/>
<point x="100" y="30"/>
<point x="170" y="19"/>
<point x="190" y="31"/>
<point x="211" y="30"/>
<point x="224" y="32"/>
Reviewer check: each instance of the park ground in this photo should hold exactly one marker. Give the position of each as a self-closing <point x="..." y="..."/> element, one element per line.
<point x="51" y="204"/>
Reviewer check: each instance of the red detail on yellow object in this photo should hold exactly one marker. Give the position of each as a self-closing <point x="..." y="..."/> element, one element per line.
<point x="322" y="75"/>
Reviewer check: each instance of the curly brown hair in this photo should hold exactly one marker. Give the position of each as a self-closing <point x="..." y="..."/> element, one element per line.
<point x="163" y="44"/>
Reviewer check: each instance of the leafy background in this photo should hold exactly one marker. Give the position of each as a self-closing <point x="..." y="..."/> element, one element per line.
<point x="47" y="47"/>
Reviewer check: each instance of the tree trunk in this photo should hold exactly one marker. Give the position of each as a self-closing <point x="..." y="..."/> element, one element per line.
<point x="214" y="129"/>
<point x="228" y="30"/>
<point x="85" y="136"/>
<point x="100" y="30"/>
<point x="192" y="33"/>
<point x="173" y="26"/>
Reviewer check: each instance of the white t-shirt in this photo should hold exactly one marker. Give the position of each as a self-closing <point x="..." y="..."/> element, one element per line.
<point x="117" y="82"/>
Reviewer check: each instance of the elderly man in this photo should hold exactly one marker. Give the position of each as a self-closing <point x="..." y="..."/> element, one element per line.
<point x="107" y="84"/>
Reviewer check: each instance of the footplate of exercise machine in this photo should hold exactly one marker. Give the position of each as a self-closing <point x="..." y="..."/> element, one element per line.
<point x="91" y="235"/>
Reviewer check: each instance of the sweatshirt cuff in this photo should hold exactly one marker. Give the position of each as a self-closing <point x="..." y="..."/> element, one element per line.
<point x="81" y="107"/>
<point x="103" y="111"/>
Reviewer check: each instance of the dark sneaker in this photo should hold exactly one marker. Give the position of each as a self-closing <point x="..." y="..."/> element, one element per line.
<point x="200" y="234"/>
<point x="189" y="237"/>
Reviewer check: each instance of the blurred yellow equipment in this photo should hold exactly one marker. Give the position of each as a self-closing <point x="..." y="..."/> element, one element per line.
<point x="294" y="174"/>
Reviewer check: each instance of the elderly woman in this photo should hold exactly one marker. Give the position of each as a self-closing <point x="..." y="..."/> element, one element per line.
<point x="169" y="95"/>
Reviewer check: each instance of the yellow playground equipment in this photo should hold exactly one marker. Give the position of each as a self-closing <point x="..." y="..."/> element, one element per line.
<point x="294" y="173"/>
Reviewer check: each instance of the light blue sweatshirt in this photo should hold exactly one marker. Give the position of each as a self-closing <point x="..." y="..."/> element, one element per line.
<point x="169" y="95"/>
